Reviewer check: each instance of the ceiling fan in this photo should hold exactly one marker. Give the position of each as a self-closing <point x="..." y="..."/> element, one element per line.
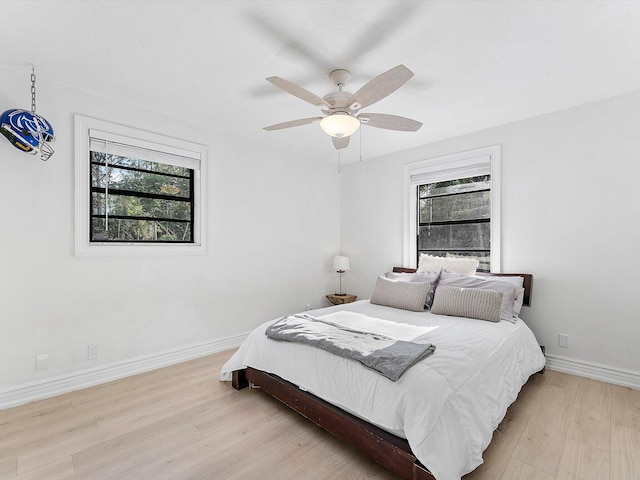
<point x="342" y="116"/>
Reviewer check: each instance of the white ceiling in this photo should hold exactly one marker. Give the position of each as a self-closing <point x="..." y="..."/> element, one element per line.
<point x="477" y="64"/>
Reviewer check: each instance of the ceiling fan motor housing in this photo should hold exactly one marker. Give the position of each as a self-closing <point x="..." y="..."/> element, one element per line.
<point x="341" y="109"/>
<point x="338" y="101"/>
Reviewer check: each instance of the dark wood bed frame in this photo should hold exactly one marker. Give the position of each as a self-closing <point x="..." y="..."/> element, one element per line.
<point x="388" y="450"/>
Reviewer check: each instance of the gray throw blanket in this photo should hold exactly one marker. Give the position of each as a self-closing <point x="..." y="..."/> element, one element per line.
<point x="388" y="356"/>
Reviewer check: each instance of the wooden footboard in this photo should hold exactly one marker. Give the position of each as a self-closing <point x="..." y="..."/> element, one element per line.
<point x="390" y="451"/>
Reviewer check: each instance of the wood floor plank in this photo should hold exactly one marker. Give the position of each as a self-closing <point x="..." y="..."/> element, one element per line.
<point x="563" y="380"/>
<point x="590" y="429"/>
<point x="50" y="411"/>
<point x="229" y="431"/>
<point x="8" y="466"/>
<point x="580" y="462"/>
<point x="317" y="464"/>
<point x="232" y="456"/>
<point x="53" y="405"/>
<point x="594" y="397"/>
<point x="625" y="407"/>
<point x="72" y="443"/>
<point x="174" y="463"/>
<point x="134" y="448"/>
<point x="159" y="404"/>
<point x="222" y="419"/>
<point x="555" y="411"/>
<point x="127" y="395"/>
<point x="625" y="453"/>
<point x="540" y="446"/>
<point x="60" y="469"/>
<point x="521" y="471"/>
<point x="45" y="430"/>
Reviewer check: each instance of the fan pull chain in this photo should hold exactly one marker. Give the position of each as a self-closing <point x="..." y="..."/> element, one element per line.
<point x="33" y="89"/>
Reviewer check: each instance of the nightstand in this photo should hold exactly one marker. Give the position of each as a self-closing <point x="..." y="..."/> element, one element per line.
<point x="340" y="299"/>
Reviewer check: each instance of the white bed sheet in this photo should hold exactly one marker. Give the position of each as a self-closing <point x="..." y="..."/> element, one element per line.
<point x="447" y="406"/>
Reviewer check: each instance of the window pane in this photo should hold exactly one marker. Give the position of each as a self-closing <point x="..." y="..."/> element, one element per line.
<point x="456" y="237"/>
<point x="132" y="206"/>
<point x="115" y="160"/>
<point x="138" y="181"/>
<point x="460" y="185"/>
<point x="464" y="206"/>
<point x="129" y="230"/>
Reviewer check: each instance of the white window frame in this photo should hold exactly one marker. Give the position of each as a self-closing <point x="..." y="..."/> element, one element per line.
<point x="439" y="169"/>
<point x="143" y="139"/>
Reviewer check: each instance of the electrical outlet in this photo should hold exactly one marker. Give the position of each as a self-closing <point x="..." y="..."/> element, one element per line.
<point x="563" y="340"/>
<point x="307" y="307"/>
<point x="92" y="351"/>
<point x="42" y="362"/>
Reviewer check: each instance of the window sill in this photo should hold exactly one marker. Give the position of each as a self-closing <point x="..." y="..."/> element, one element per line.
<point x="97" y="249"/>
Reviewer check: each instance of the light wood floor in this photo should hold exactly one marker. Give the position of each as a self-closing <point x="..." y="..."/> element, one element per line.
<point x="181" y="423"/>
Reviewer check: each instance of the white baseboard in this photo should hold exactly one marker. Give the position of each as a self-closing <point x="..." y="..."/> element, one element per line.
<point x="617" y="376"/>
<point x="51" y="387"/>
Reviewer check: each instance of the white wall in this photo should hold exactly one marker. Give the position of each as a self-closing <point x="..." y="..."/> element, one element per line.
<point x="570" y="205"/>
<point x="569" y="214"/>
<point x="273" y="230"/>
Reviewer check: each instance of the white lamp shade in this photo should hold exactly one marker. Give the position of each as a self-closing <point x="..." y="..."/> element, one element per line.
<point x="339" y="124"/>
<point x="340" y="263"/>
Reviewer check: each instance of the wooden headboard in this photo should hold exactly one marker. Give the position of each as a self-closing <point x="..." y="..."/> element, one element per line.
<point x="527" y="284"/>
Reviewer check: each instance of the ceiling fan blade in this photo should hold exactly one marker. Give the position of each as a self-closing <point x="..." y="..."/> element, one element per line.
<point x="387" y="24"/>
<point x="299" y="49"/>
<point x="299" y="92"/>
<point x="380" y="87"/>
<point x="341" y="142"/>
<point x="389" y="122"/>
<point x="292" y="123"/>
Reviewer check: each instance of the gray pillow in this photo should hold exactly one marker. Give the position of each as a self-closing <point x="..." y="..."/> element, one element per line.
<point x="399" y="294"/>
<point x="431" y="277"/>
<point x="467" y="302"/>
<point x="509" y="291"/>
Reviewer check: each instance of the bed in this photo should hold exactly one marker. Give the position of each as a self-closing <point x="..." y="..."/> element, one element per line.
<point x="435" y="421"/>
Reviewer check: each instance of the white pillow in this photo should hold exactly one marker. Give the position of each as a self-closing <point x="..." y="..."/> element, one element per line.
<point x="468" y="302"/>
<point x="400" y="294"/>
<point x="461" y="265"/>
<point x="518" y="282"/>
<point x="509" y="290"/>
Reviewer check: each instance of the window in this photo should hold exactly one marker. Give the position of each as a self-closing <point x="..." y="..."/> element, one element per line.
<point x="454" y="219"/>
<point x="137" y="192"/>
<point x="135" y="200"/>
<point x="452" y="207"/>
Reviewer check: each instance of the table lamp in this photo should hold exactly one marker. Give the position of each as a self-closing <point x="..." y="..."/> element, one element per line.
<point x="340" y="265"/>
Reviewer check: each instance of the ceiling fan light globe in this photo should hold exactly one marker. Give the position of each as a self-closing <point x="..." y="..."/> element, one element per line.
<point x="339" y="125"/>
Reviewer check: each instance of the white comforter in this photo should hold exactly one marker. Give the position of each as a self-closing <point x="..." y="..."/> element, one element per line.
<point x="447" y="405"/>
